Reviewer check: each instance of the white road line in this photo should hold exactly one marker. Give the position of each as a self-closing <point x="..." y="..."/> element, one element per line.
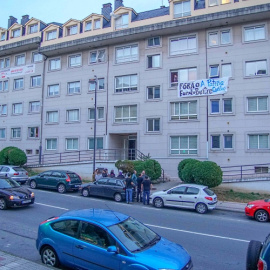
<point x="52" y="206"/>
<point x="204" y="234"/>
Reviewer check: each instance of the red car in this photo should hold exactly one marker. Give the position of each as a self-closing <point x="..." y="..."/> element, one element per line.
<point x="260" y="210"/>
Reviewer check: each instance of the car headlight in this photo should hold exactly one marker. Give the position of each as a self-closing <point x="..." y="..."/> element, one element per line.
<point x="12" y="197"/>
<point x="32" y="194"/>
<point x="250" y="205"/>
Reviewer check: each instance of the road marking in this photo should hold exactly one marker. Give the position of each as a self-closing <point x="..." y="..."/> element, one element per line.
<point x="52" y="206"/>
<point x="204" y="234"/>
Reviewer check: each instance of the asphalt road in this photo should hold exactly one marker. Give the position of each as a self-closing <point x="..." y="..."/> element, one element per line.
<point x="216" y="240"/>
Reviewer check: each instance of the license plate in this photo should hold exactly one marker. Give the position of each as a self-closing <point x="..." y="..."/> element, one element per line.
<point x="77" y="185"/>
<point x="26" y="201"/>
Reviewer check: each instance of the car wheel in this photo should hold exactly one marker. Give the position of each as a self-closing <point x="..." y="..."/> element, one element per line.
<point x="158" y="202"/>
<point x="49" y="256"/>
<point x="33" y="184"/>
<point x="117" y="197"/>
<point x="253" y="254"/>
<point x="261" y="216"/>
<point x="201" y="208"/>
<point x="3" y="204"/>
<point x="85" y="192"/>
<point x="61" y="188"/>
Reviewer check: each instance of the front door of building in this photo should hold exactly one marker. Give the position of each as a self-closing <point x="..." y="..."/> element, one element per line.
<point x="132" y="147"/>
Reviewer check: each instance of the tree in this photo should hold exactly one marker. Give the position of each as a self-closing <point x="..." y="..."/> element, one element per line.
<point x="207" y="173"/>
<point x="187" y="171"/>
<point x="12" y="156"/>
<point x="182" y="165"/>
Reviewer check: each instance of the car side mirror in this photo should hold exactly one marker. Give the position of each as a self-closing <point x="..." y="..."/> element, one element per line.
<point x="169" y="192"/>
<point x="112" y="249"/>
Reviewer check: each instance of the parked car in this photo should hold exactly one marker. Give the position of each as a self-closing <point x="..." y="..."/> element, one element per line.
<point x="258" y="255"/>
<point x="16" y="173"/>
<point x="103" y="239"/>
<point x="60" y="180"/>
<point x="260" y="210"/>
<point x="12" y="194"/>
<point x="191" y="196"/>
<point x="106" y="187"/>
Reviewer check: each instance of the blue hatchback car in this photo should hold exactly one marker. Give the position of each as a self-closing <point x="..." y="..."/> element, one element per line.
<point x="103" y="239"/>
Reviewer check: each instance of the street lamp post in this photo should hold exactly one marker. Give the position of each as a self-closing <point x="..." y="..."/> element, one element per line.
<point x="95" y="125"/>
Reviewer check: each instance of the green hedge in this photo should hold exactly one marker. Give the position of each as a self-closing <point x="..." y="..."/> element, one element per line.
<point x="12" y="156"/>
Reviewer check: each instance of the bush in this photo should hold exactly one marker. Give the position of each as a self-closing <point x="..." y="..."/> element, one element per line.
<point x="12" y="156"/>
<point x="207" y="173"/>
<point x="125" y="166"/>
<point x="138" y="166"/>
<point x="187" y="171"/>
<point x="182" y="165"/>
<point x="152" y="169"/>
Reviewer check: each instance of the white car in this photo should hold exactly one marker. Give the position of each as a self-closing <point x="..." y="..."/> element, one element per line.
<point x="190" y="196"/>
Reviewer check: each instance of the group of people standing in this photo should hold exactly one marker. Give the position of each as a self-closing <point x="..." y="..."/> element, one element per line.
<point x="142" y="185"/>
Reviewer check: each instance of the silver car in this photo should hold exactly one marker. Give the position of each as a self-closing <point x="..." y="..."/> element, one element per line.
<point x="191" y="196"/>
<point x="16" y="173"/>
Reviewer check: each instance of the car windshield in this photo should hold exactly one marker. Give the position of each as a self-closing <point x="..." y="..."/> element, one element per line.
<point x="134" y="235"/>
<point x="209" y="192"/>
<point x="8" y="183"/>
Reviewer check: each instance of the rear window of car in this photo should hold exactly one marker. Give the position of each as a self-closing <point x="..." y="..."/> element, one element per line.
<point x="18" y="169"/>
<point x="72" y="175"/>
<point x="209" y="192"/>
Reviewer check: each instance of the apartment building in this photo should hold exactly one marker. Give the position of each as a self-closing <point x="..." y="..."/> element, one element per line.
<point x="135" y="63"/>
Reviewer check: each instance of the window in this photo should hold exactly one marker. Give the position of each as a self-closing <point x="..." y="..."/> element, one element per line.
<point x="100" y="84"/>
<point x="97" y="24"/>
<point x="18" y="84"/>
<point x="34" y="107"/>
<point x="3" y="86"/>
<point x="97" y="56"/>
<point x="215" y="141"/>
<point x="226" y="70"/>
<point x="73" y="115"/>
<point x="51" y="35"/>
<point x="225" y="2"/>
<point x="17" y="108"/>
<point x="213" y="2"/>
<point x="256" y="68"/>
<point x="72" y="144"/>
<point x="126" y="83"/>
<point x="258" y="141"/>
<point x="215" y="106"/>
<point x="184" y="145"/>
<point x="2" y="133"/>
<point x="257" y="104"/>
<point x="185" y="74"/>
<point x="254" y="33"/>
<point x="3" y="36"/>
<point x="227" y="105"/>
<point x="68" y="227"/>
<point x="99" y="143"/>
<point x="214" y="71"/>
<point x="75" y="60"/>
<point x="125" y="114"/>
<point x="74" y="87"/>
<point x="153" y="92"/>
<point x="121" y="21"/>
<point x="37" y="57"/>
<point x="3" y="109"/>
<point x="219" y="38"/>
<point x="16" y="33"/>
<point x="19" y="60"/>
<point x="16" y="133"/>
<point x="51" y="144"/>
<point x="88" y="26"/>
<point x="53" y="90"/>
<point x="55" y="64"/>
<point x="183" y="45"/>
<point x="35" y="81"/>
<point x="100" y="113"/>
<point x="72" y="30"/>
<point x="261" y="169"/>
<point x="154" y="41"/>
<point x="228" y="141"/>
<point x="153" y="125"/>
<point x="4" y="63"/>
<point x="153" y="61"/>
<point x="52" y="117"/>
<point x="126" y="54"/>
<point x="33" y="28"/>
<point x="33" y="132"/>
<point x="182" y="9"/>
<point x="184" y="110"/>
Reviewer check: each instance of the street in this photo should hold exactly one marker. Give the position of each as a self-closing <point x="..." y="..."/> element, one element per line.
<point x="216" y="240"/>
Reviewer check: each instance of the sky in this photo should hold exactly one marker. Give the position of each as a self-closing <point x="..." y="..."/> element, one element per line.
<point x="62" y="10"/>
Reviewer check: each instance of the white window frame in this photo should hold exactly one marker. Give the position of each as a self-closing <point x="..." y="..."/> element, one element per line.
<point x="97" y="56"/>
<point x="74" y="88"/>
<point x="33" y="28"/>
<point x="3" y="36"/>
<point x="16" y="33"/>
<point x="51" y="144"/>
<point x="34" y="131"/>
<point x="34" y="106"/>
<point x="98" y="141"/>
<point x="75" y="60"/>
<point x="124" y="114"/>
<point x="74" y="144"/>
<point x="20" y="60"/>
<point x="156" y="92"/>
<point x="4" y="86"/>
<point x="53" y="90"/>
<point x="256" y="70"/>
<point x="219" y="37"/>
<point x="72" y="30"/>
<point x="55" y="64"/>
<point x="3" y="133"/>
<point x="18" y="84"/>
<point x="184" y="110"/>
<point x="50" y="35"/>
<point x="184" y="6"/>
<point x="37" y="57"/>
<point x="184" y="148"/>
<point x="97" y="24"/>
<point x="36" y="81"/>
<point x="259" y="142"/>
<point x="3" y="109"/>
<point x="125" y="54"/>
<point x="121" y="21"/>
<point x="87" y="26"/>
<point x="100" y="84"/>
<point x="100" y="114"/>
<point x="17" y="108"/>
<point x="151" y="125"/>
<point x="154" y="42"/>
<point x="73" y="115"/>
<point x="126" y="83"/>
<point x="182" y="74"/>
<point x="212" y="3"/>
<point x="258" y="100"/>
<point x="184" y="40"/>
<point x="252" y="31"/>
<point x="4" y="62"/>
<point x="153" y="61"/>
<point x="224" y="2"/>
<point x="52" y="117"/>
<point x="16" y="133"/>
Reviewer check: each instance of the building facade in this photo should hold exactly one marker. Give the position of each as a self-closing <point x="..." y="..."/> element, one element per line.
<point x="134" y="62"/>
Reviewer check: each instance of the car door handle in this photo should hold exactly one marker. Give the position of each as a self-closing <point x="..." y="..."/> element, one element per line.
<point x="79" y="247"/>
<point x="180" y="196"/>
<point x="195" y="197"/>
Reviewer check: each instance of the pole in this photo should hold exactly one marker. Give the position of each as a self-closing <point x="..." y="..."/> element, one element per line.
<point x="95" y="126"/>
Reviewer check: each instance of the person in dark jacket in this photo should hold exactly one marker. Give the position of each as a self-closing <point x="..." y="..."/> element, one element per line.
<point x="146" y="187"/>
<point x="112" y="174"/>
<point x="120" y="175"/>
<point x="139" y="188"/>
<point x="129" y="185"/>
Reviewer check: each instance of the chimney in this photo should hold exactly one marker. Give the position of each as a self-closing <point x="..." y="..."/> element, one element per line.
<point x="117" y="4"/>
<point x="11" y="21"/>
<point x="25" y="19"/>
<point x="106" y="10"/>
